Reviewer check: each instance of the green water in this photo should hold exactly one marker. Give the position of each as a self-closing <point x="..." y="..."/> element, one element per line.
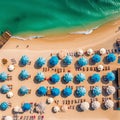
<point x="20" y="16"/>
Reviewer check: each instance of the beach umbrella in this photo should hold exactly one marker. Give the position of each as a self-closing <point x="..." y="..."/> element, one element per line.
<point x="40" y="61"/>
<point x="68" y="77"/>
<point x="11" y="67"/>
<point x="3" y="76"/>
<point x="100" y="67"/>
<point x="80" y="77"/>
<point x="111" y="57"/>
<point x="67" y="91"/>
<point x="90" y="51"/>
<point x="84" y="106"/>
<point x="67" y="60"/>
<point x="10" y="94"/>
<point x="56" y="109"/>
<point x="102" y="51"/>
<point x="110" y="90"/>
<point x="95" y="78"/>
<point x="96" y="91"/>
<point x="64" y="108"/>
<point x="55" y="78"/>
<point x="24" y="74"/>
<point x="82" y="62"/>
<point x="26" y="107"/>
<point x="8" y="118"/>
<point x="42" y="90"/>
<point x="24" y="60"/>
<point x="79" y="52"/>
<point x="4" y="89"/>
<point x="55" y="91"/>
<point x="23" y="90"/>
<point x="40" y="77"/>
<point x="41" y="107"/>
<point x="4" y="105"/>
<point x="80" y="91"/>
<point x="50" y="100"/>
<point x="53" y="61"/>
<point x="62" y="54"/>
<point x="16" y="109"/>
<point x="96" y="58"/>
<point x="95" y="105"/>
<point x="110" y="76"/>
<point x="109" y="104"/>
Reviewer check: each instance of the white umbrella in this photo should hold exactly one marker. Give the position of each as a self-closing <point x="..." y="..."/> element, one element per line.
<point x="109" y="104"/>
<point x="16" y="109"/>
<point x="79" y="52"/>
<point x="95" y="105"/>
<point x="62" y="54"/>
<point x="50" y="100"/>
<point x="11" y="67"/>
<point x="8" y="118"/>
<point x="110" y="90"/>
<point x="84" y="106"/>
<point x="10" y="94"/>
<point x="56" y="109"/>
<point x="90" y="51"/>
<point x="100" y="67"/>
<point x="102" y="51"/>
<point x="64" y="108"/>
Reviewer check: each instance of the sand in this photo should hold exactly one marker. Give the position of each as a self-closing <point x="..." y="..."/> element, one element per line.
<point x="105" y="36"/>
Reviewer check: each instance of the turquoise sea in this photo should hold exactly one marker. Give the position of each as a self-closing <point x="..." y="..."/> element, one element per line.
<point x="20" y="16"/>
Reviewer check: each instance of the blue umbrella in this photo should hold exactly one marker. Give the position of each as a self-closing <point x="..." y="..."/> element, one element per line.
<point x="55" y="78"/>
<point x="24" y="74"/>
<point x="96" y="58"/>
<point x="67" y="91"/>
<point x="4" y="105"/>
<point x="4" y="89"/>
<point x="81" y="91"/>
<point x="24" y="60"/>
<point x="40" y="77"/>
<point x="53" y="61"/>
<point x="96" y="91"/>
<point x="42" y="90"/>
<point x="67" y="60"/>
<point x="82" y="62"/>
<point x="80" y="77"/>
<point x="110" y="76"/>
<point x="68" y="77"/>
<point x="40" y="61"/>
<point x="23" y="90"/>
<point x="111" y="57"/>
<point x="26" y="107"/>
<point x="55" y="91"/>
<point x="3" y="76"/>
<point x="95" y="78"/>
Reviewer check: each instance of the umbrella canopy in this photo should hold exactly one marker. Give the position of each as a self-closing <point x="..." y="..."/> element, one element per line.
<point x="67" y="91"/>
<point x="109" y="104"/>
<point x="90" y="51"/>
<point x="10" y="94"/>
<point x="67" y="60"/>
<point x="102" y="51"/>
<point x="82" y="62"/>
<point x="40" y="76"/>
<point x="111" y="57"/>
<point x="41" y="107"/>
<point x="26" y="106"/>
<point x="8" y="118"/>
<point x="80" y="77"/>
<point x="4" y="89"/>
<point x="4" y="106"/>
<point x="11" y="67"/>
<point x="96" y="58"/>
<point x="23" y="90"/>
<point x="56" y="109"/>
<point x="3" y="76"/>
<point x="24" y="60"/>
<point x="42" y="90"/>
<point x="80" y="91"/>
<point x="96" y="91"/>
<point x="53" y="61"/>
<point x="64" y="108"/>
<point x="95" y="78"/>
<point x="24" y="74"/>
<point x="68" y="77"/>
<point x="62" y="54"/>
<point x="79" y="52"/>
<point x="16" y="109"/>
<point x="95" y="105"/>
<point x="110" y="90"/>
<point x="55" y="91"/>
<point x="50" y="100"/>
<point x="110" y="76"/>
<point x="84" y="106"/>
<point x="55" y="78"/>
<point x="40" y="62"/>
<point x="100" y="67"/>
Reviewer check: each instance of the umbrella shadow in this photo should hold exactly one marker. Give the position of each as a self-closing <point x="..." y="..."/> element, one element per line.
<point x="78" y="108"/>
<point x="89" y="80"/>
<point x="21" y="65"/>
<point x="90" y="62"/>
<point x="105" y="60"/>
<point x="62" y="80"/>
<point x="103" y="80"/>
<point x="90" y="94"/>
<point x="35" y="81"/>
<point x="75" y="81"/>
<point x="36" y="66"/>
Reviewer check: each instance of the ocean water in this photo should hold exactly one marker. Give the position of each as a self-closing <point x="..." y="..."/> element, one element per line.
<point x="20" y="16"/>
